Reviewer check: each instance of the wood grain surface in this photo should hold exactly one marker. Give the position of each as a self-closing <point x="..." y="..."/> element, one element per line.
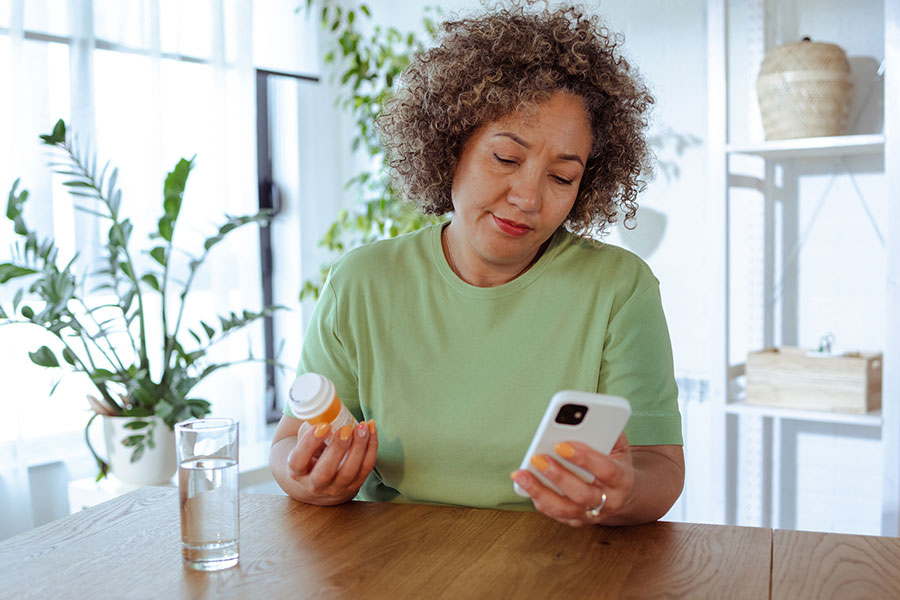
<point x="130" y="548"/>
<point x="829" y="565"/>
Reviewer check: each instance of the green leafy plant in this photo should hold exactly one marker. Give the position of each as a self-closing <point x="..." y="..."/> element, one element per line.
<point x="103" y="332"/>
<point x="367" y="66"/>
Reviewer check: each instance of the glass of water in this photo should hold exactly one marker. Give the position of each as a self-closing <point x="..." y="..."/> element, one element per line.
<point x="208" y="491"/>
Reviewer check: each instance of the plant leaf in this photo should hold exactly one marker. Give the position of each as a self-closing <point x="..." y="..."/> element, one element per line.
<point x="137" y="454"/>
<point x="126" y="268"/>
<point x="212" y="241"/>
<point x="127" y="299"/>
<point x="101" y="376"/>
<point x="111" y="184"/>
<point x="43" y="357"/>
<point x="78" y="183"/>
<point x="115" y="201"/>
<point x="164" y="409"/>
<point x="173" y="193"/>
<point x="159" y="255"/>
<point x="133" y="440"/>
<point x="150" y="279"/>
<point x="58" y="136"/>
<point x="88" y="210"/>
<point x="10" y="271"/>
<point x="14" y="204"/>
<point x="69" y="356"/>
<point x="166" y="228"/>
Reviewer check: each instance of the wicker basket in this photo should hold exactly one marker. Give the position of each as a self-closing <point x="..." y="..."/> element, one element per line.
<point x="804" y="90"/>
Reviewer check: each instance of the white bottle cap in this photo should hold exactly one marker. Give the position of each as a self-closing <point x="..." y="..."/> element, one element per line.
<point x="311" y="394"/>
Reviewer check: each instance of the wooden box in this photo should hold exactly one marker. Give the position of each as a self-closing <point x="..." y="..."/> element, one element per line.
<point x="794" y="378"/>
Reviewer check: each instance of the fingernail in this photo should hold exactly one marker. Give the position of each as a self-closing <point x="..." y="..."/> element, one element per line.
<point x="518" y="477"/>
<point x="322" y="430"/>
<point x="372" y="426"/>
<point x="564" y="450"/>
<point x="362" y="430"/>
<point x="539" y="462"/>
<point x="345" y="432"/>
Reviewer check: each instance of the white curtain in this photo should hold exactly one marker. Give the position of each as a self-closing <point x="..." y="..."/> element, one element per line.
<point x="147" y="82"/>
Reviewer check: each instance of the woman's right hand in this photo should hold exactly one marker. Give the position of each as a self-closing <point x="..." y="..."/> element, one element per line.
<point x="311" y="471"/>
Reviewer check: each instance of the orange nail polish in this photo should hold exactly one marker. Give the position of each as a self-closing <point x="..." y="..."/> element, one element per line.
<point x="520" y="478"/>
<point x="539" y="462"/>
<point x="564" y="450"/>
<point x="372" y="426"/>
<point x="345" y="432"/>
<point x="321" y="430"/>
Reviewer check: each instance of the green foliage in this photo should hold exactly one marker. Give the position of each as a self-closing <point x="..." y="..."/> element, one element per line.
<point x="122" y="376"/>
<point x="367" y="65"/>
<point x="44" y="357"/>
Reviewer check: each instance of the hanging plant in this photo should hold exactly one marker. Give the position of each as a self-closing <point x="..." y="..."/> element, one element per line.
<point x="367" y="66"/>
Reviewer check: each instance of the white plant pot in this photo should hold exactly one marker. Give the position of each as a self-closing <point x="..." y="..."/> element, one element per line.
<point x="156" y="465"/>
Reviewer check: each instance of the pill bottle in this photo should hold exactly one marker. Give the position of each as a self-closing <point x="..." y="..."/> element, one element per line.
<point x="313" y="399"/>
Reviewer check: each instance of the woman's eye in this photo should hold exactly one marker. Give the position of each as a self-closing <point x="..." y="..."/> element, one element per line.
<point x="562" y="180"/>
<point x="505" y="161"/>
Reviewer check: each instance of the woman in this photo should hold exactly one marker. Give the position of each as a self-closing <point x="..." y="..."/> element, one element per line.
<point x="528" y="129"/>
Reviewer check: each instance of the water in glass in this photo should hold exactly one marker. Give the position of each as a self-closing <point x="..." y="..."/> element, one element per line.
<point x="209" y="512"/>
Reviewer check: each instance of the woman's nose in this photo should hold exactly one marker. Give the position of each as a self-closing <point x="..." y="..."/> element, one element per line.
<point x="525" y="192"/>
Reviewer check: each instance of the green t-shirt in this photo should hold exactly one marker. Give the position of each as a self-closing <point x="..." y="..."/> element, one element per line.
<point x="457" y="377"/>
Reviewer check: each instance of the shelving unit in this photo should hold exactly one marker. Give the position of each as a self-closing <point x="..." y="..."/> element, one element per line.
<point x="728" y="408"/>
<point x="843" y="145"/>
<point x="870" y="419"/>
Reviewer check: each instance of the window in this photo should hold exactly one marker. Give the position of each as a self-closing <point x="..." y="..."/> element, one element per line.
<point x="148" y="82"/>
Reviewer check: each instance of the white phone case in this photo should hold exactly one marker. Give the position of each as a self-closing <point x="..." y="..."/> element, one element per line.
<point x="603" y="421"/>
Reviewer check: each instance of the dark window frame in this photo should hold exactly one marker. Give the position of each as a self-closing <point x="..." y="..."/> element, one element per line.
<point x="269" y="199"/>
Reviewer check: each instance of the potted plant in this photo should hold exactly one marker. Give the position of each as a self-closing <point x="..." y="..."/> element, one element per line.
<point x="104" y="335"/>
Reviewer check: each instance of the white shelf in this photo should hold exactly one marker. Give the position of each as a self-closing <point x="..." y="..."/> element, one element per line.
<point x="841" y="145"/>
<point x="870" y="419"/>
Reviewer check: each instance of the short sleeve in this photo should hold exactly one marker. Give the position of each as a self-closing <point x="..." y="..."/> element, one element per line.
<point x="325" y="352"/>
<point x="637" y="364"/>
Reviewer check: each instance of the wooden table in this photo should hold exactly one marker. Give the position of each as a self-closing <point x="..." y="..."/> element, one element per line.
<point x="130" y="548"/>
<point x="827" y="565"/>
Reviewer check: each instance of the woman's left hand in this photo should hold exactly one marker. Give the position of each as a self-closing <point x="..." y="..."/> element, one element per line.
<point x="584" y="503"/>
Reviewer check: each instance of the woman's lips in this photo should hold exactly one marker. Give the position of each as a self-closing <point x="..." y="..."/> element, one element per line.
<point x="511" y="228"/>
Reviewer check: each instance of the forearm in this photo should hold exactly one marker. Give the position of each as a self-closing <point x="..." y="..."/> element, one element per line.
<point x="278" y="463"/>
<point x="658" y="481"/>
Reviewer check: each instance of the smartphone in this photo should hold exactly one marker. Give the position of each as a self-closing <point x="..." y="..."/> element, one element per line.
<point x="596" y="420"/>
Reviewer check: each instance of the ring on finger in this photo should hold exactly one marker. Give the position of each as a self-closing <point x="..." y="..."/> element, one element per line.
<point x="593" y="513"/>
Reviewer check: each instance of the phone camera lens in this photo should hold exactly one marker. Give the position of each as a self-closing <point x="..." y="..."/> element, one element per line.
<point x="571" y="414"/>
